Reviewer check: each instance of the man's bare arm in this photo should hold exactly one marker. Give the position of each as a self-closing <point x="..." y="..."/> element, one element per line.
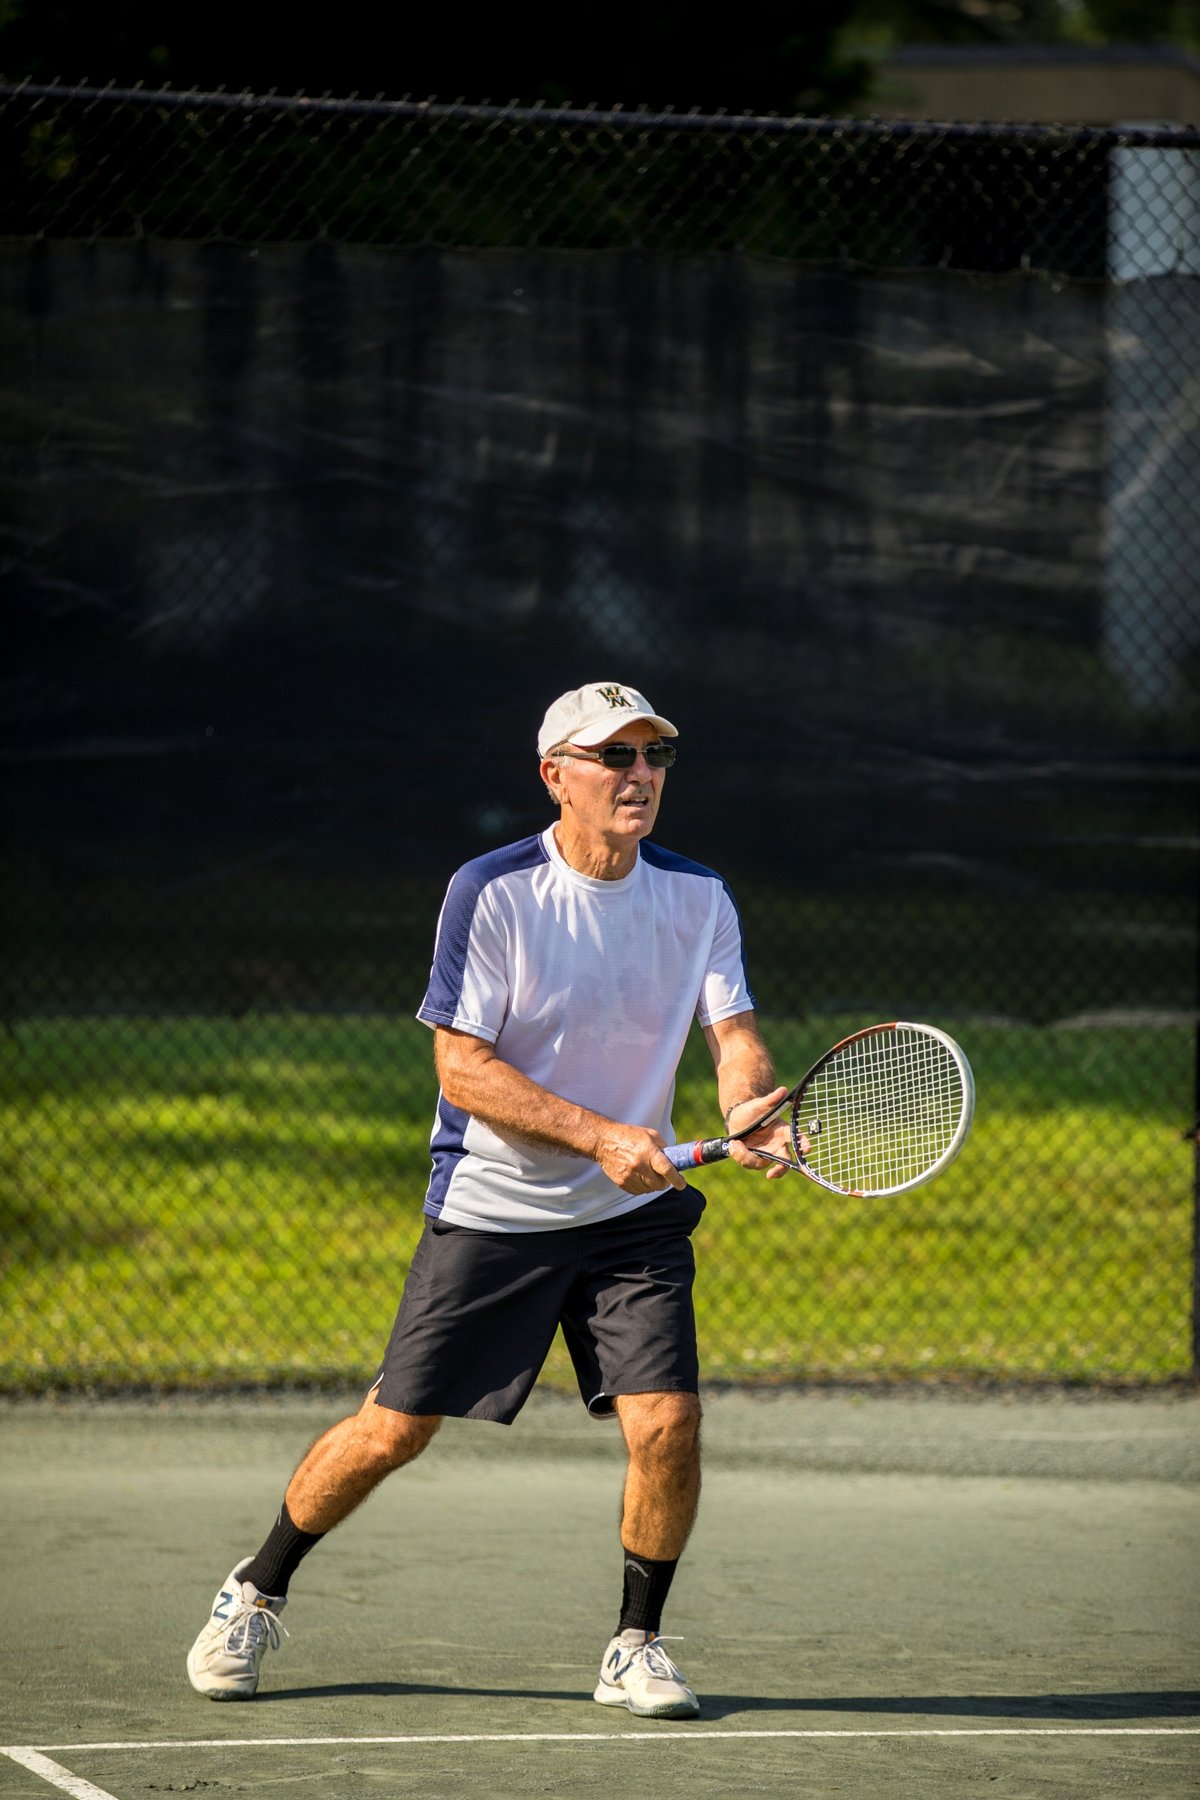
<point x="746" y="1086"/>
<point x="477" y="1081"/>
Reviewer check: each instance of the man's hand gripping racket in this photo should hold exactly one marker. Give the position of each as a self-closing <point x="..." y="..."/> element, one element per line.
<point x="884" y="1110"/>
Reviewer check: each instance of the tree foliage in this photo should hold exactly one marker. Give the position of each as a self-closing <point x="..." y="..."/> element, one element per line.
<point x="770" y="56"/>
<point x="777" y="58"/>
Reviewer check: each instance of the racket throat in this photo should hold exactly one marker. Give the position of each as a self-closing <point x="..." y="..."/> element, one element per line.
<point x="785" y="1162"/>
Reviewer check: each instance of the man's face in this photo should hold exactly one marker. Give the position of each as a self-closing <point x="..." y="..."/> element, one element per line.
<point x="618" y="806"/>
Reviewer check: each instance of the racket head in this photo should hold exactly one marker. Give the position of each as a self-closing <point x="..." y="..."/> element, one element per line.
<point x="885" y="1110"/>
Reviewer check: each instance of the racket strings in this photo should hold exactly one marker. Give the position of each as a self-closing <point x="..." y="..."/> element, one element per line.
<point x="888" y="1105"/>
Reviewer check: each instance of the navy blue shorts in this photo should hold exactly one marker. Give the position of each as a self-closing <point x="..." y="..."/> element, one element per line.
<point x="480" y="1309"/>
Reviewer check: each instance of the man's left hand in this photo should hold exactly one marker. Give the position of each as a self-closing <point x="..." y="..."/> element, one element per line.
<point x="773" y="1136"/>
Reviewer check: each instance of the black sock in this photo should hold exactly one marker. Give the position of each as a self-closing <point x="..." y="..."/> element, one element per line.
<point x="280" y="1556"/>
<point x="647" y="1584"/>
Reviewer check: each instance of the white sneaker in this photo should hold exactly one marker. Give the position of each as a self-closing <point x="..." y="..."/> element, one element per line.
<point x="638" y="1673"/>
<point x="224" y="1660"/>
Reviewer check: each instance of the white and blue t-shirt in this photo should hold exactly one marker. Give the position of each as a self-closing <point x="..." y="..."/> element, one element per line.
<point x="589" y="988"/>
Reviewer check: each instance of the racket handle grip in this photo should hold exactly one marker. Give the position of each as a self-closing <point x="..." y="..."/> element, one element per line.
<point x="700" y="1150"/>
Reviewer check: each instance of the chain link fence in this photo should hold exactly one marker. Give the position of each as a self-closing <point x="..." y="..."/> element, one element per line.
<point x="339" y="437"/>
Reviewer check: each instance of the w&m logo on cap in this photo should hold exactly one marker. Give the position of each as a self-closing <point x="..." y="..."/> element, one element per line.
<point x="616" y="696"/>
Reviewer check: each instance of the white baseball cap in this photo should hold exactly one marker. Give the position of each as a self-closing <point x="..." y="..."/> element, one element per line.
<point x="590" y="714"/>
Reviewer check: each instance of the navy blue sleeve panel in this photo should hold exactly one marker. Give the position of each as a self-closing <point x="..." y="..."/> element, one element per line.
<point x="672" y="863"/>
<point x="446" y="1147"/>
<point x="440" y="1005"/>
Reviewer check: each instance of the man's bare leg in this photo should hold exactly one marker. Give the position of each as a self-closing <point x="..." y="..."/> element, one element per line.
<point x="350" y="1460"/>
<point x="346" y="1463"/>
<point x="336" y="1475"/>
<point x="662" y="1483"/>
<point x="658" y="1509"/>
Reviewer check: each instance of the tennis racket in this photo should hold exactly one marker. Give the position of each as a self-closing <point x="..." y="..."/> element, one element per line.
<point x="884" y="1110"/>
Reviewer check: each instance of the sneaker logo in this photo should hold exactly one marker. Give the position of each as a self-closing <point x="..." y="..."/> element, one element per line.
<point x="225" y="1601"/>
<point x="618" y="1667"/>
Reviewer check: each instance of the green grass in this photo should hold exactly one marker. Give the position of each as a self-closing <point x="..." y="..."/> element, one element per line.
<point x="201" y="1200"/>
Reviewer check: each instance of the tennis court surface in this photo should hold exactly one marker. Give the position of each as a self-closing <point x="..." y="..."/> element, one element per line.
<point x="925" y="1594"/>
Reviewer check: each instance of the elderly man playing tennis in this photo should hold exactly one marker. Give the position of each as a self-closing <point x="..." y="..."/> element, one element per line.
<point x="567" y="971"/>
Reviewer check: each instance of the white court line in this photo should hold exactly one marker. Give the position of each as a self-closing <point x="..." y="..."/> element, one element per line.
<point x="653" y="1735"/>
<point x="33" y="1759"/>
<point x="55" y="1774"/>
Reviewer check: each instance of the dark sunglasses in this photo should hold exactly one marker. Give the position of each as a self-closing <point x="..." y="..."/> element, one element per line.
<point x="622" y="756"/>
